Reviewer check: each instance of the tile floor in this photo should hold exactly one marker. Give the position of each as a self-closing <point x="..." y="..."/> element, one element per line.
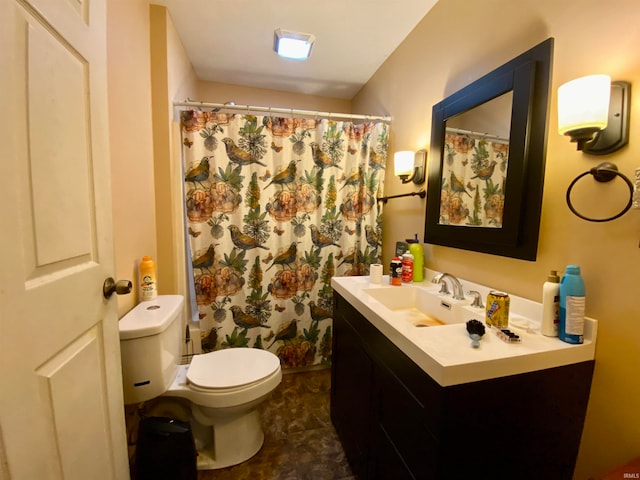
<point x="300" y="441"/>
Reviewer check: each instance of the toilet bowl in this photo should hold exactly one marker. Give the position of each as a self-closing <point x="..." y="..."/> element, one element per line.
<point x="225" y="388"/>
<point x="222" y="390"/>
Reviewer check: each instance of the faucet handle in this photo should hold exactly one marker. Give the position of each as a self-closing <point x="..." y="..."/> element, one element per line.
<point x="444" y="290"/>
<point x="477" y="299"/>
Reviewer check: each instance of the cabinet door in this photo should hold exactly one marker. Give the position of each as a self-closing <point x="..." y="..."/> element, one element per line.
<point x="387" y="464"/>
<point x="352" y="371"/>
<point x="402" y="425"/>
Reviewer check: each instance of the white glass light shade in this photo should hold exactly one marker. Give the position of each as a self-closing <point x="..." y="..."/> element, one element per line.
<point x="403" y="163"/>
<point x="583" y="103"/>
<point x="293" y="45"/>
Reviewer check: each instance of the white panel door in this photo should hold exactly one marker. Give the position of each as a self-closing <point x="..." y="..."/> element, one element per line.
<point x="61" y="408"/>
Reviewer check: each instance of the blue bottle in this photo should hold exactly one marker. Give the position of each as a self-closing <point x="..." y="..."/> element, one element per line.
<point x="572" y="303"/>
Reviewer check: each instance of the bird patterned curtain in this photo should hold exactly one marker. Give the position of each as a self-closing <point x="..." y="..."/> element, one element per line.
<point x="473" y="180"/>
<point x="276" y="207"/>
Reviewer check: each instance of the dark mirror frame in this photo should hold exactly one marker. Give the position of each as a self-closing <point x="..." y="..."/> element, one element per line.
<point x="529" y="77"/>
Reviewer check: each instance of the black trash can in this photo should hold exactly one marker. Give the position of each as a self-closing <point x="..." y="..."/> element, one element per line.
<point x="165" y="450"/>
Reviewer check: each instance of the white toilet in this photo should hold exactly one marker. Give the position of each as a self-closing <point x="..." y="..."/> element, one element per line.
<point x="222" y="389"/>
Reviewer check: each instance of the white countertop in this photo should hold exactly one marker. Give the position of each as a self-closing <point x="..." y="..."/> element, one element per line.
<point x="445" y="353"/>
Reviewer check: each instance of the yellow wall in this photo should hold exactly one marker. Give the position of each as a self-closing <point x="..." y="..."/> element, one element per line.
<point x="147" y="69"/>
<point x="134" y="218"/>
<point x="224" y="92"/>
<point x="171" y="77"/>
<point x="456" y="43"/>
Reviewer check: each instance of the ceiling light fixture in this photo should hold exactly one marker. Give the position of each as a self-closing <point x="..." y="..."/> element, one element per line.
<point x="293" y="45"/>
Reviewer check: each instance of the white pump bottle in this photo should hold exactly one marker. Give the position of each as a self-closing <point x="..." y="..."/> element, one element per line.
<point x="551" y="305"/>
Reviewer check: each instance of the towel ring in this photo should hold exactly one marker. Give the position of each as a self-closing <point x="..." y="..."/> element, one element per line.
<point x="604" y="172"/>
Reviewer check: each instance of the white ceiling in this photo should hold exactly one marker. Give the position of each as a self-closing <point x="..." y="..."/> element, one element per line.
<point x="231" y="41"/>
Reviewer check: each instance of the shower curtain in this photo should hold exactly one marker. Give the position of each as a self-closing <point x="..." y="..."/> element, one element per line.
<point x="473" y="180"/>
<point x="275" y="207"/>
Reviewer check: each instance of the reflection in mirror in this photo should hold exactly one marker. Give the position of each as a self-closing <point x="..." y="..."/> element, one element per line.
<point x="492" y="118"/>
<point x="476" y="151"/>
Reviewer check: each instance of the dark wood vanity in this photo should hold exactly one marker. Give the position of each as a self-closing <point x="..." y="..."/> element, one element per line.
<point x="395" y="422"/>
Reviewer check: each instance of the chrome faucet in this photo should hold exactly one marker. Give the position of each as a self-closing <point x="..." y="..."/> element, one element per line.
<point x="458" y="293"/>
<point x="477" y="299"/>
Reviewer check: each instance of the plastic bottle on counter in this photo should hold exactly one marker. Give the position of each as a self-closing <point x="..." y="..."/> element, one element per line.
<point x="572" y="306"/>
<point x="407" y="267"/>
<point x="395" y="272"/>
<point x="148" y="281"/>
<point x="415" y="247"/>
<point x="551" y="305"/>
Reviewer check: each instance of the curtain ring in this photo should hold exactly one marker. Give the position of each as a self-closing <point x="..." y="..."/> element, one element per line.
<point x="605" y="172"/>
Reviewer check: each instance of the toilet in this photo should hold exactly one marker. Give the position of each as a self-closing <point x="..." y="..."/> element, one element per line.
<point x="221" y="389"/>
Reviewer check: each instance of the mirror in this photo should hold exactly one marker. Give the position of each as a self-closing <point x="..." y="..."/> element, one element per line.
<point x="486" y="168"/>
<point x="476" y="150"/>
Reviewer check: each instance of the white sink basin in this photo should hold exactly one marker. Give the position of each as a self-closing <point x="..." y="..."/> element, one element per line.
<point x="424" y="306"/>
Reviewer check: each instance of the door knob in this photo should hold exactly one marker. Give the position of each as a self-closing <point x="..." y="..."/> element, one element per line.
<point x="121" y="287"/>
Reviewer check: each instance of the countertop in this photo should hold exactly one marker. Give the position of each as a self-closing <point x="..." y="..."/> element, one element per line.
<point x="445" y="352"/>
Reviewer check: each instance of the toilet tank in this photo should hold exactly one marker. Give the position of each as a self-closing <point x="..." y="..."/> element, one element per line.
<point x="150" y="346"/>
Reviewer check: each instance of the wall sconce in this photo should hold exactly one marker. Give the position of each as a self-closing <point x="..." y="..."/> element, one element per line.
<point x="594" y="112"/>
<point x="409" y="166"/>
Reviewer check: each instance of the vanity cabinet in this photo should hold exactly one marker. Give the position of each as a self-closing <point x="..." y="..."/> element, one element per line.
<point x="396" y="422"/>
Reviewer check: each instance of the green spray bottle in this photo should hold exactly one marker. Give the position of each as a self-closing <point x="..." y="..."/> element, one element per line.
<point x="415" y="248"/>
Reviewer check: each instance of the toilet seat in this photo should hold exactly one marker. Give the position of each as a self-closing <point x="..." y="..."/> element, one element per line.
<point x="231" y="368"/>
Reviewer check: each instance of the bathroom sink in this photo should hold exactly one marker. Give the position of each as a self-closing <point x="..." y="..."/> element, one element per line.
<point x="423" y="306"/>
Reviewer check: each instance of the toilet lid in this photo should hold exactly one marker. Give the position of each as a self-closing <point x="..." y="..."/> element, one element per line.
<point x="231" y="367"/>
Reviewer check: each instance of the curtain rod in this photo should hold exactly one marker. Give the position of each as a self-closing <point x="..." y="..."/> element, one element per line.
<point x="478" y="134"/>
<point x="290" y="111"/>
